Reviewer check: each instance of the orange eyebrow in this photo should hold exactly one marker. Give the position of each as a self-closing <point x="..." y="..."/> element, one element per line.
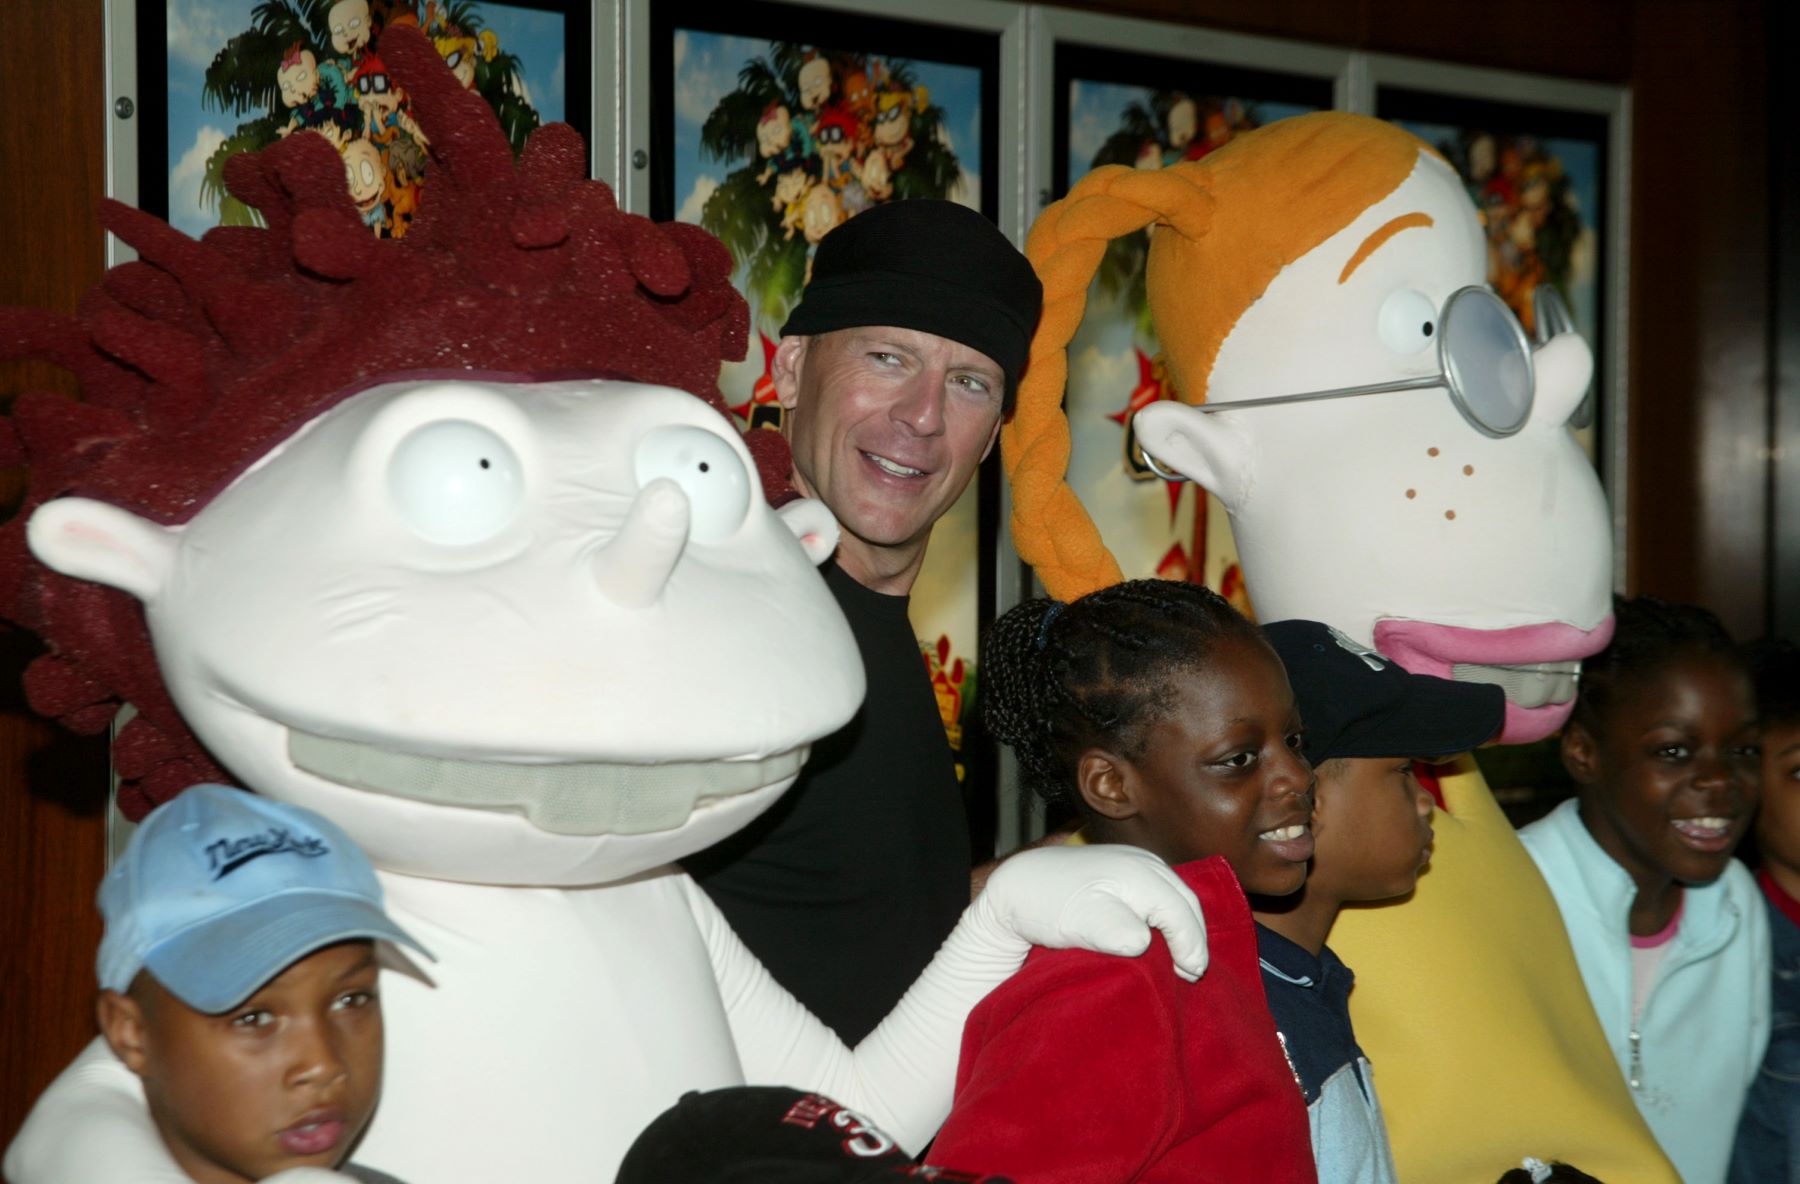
<point x="1380" y="235"/>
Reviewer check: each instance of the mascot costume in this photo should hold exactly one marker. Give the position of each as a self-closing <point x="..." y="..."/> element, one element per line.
<point x="1395" y="462"/>
<point x="431" y="536"/>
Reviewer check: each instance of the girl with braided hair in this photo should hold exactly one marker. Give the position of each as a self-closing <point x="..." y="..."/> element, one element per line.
<point x="1163" y="717"/>
<point x="1672" y="940"/>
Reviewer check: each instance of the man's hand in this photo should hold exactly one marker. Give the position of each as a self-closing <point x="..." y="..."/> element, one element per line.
<point x="1103" y="898"/>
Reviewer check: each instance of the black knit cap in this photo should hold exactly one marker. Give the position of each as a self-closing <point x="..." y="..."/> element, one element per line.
<point x="757" y="1134"/>
<point x="934" y="266"/>
<point x="1356" y="703"/>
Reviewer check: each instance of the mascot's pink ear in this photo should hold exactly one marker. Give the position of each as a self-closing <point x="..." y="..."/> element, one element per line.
<point x="91" y="540"/>
<point x="813" y="525"/>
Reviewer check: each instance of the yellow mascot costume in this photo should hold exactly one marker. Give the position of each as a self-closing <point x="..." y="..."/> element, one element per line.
<point x="1396" y="462"/>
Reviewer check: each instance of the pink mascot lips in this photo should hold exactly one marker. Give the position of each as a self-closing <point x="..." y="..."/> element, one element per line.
<point x="1536" y="665"/>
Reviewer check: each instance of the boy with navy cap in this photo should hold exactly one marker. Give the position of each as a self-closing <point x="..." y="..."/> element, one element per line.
<point x="238" y="981"/>
<point x="1366" y="719"/>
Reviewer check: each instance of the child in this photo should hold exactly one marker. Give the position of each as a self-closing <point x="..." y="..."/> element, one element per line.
<point x="1161" y="715"/>
<point x="238" y="980"/>
<point x="1768" y="1138"/>
<point x="1366" y="719"/>
<point x="1671" y="937"/>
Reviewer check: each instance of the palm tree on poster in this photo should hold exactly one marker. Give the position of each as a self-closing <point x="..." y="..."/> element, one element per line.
<point x="242" y="79"/>
<point x="740" y="211"/>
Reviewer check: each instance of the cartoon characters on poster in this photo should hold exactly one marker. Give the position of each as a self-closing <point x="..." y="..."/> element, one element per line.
<point x="1533" y="221"/>
<point x="822" y="135"/>
<point x="311" y="66"/>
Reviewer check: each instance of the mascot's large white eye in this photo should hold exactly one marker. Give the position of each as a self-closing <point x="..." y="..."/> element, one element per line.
<point x="708" y="470"/>
<point x="455" y="482"/>
<point x="1408" y="322"/>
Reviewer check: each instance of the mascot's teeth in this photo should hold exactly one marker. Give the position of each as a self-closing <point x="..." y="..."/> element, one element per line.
<point x="569" y="799"/>
<point x="898" y="470"/>
<point x="1283" y="834"/>
<point x="1534" y="684"/>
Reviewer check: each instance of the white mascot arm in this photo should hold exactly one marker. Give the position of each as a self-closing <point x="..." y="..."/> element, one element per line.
<point x="92" y="1127"/>
<point x="1102" y="898"/>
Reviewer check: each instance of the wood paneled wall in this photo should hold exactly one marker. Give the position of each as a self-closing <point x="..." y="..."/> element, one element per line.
<point x="1702" y="408"/>
<point x="52" y="786"/>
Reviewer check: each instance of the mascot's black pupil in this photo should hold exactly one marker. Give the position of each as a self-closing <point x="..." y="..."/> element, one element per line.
<point x="484" y="463"/>
<point x="1427" y="328"/>
<point x="705" y="468"/>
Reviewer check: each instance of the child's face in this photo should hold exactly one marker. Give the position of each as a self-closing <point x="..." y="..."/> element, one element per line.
<point x="287" y="1079"/>
<point x="1222" y="773"/>
<point x="1669" y="786"/>
<point x="1372" y="828"/>
<point x="1778" y="822"/>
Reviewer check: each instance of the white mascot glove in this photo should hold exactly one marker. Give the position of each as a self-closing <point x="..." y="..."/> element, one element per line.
<point x="1104" y="897"/>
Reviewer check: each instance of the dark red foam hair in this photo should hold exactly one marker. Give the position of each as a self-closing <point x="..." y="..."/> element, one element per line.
<point x="202" y="356"/>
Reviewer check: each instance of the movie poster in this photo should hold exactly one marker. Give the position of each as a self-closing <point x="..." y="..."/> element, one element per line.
<point x="1147" y="112"/>
<point x="242" y="74"/>
<point x="771" y="143"/>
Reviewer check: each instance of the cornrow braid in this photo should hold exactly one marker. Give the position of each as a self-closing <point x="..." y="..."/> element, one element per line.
<point x="1060" y="679"/>
<point x="1648" y="633"/>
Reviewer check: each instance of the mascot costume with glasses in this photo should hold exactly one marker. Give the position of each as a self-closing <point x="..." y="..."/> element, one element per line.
<point x="1452" y="523"/>
<point x="431" y="536"/>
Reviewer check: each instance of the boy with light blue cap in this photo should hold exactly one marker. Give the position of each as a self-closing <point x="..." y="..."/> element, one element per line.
<point x="238" y="981"/>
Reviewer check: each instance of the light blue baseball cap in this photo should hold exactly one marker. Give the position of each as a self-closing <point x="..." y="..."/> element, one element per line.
<point x="220" y="890"/>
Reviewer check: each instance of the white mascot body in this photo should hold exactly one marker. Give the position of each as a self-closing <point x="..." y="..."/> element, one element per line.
<point x="1315" y="254"/>
<point x="491" y="631"/>
<point x="500" y="631"/>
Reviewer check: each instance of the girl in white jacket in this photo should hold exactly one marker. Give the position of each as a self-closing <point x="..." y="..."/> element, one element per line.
<point x="1669" y="932"/>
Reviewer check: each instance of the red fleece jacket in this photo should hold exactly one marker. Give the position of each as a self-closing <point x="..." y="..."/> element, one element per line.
<point x="1089" y="1069"/>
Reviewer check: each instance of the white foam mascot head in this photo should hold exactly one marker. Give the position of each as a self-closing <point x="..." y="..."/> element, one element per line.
<point x="502" y="624"/>
<point x="444" y="593"/>
<point x="1447" y="517"/>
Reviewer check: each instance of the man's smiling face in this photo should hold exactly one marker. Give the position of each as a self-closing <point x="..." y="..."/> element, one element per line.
<point x="887" y="426"/>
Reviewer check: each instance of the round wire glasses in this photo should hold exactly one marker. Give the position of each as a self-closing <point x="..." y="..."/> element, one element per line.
<point x="1484" y="362"/>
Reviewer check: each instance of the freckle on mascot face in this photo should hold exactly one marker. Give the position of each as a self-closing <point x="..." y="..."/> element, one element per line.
<point x="1308" y="256"/>
<point x="451" y="538"/>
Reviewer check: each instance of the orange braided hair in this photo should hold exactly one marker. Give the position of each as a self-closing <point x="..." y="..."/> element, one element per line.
<point x="1231" y="222"/>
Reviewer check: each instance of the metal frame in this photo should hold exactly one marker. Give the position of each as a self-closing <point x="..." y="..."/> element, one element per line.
<point x="1614" y="104"/>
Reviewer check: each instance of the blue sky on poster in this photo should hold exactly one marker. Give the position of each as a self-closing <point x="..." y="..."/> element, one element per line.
<point x="706" y="68"/>
<point x="198" y="29"/>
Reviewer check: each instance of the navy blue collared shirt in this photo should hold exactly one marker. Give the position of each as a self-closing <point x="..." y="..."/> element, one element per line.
<point x="1310" y="1000"/>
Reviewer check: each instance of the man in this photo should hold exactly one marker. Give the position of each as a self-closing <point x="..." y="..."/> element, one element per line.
<point x="895" y="371"/>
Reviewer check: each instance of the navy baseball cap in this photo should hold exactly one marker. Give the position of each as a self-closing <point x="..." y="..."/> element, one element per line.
<point x="220" y="890"/>
<point x="1357" y="703"/>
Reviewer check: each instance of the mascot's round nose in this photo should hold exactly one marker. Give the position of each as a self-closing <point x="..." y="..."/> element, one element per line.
<point x="630" y="571"/>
